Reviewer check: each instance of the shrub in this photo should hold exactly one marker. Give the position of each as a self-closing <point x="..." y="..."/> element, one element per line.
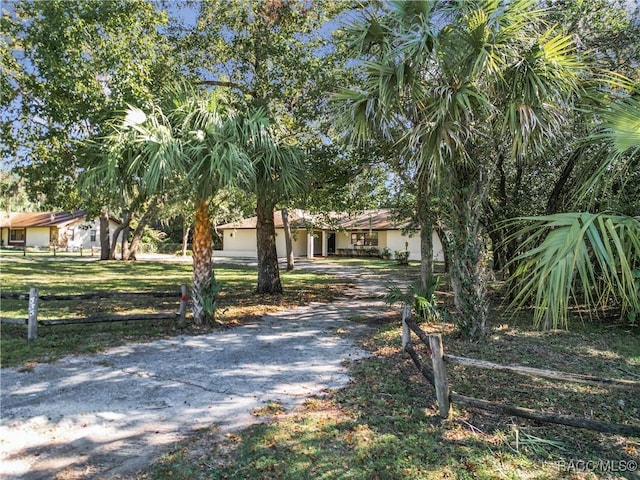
<point x="402" y="257"/>
<point x="422" y="301"/>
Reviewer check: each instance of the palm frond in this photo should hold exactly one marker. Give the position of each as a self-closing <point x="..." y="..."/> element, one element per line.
<point x="577" y="254"/>
<point x="622" y="126"/>
<point x="619" y="137"/>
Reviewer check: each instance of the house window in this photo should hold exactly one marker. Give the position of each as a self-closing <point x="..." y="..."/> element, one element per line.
<point x="368" y="239"/>
<point x="71" y="234"/>
<point x="92" y="236"/>
<point x="17" y="236"/>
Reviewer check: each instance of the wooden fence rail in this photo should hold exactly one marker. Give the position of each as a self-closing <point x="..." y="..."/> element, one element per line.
<point x="34" y="299"/>
<point x="87" y="296"/>
<point x="53" y="248"/>
<point x="437" y="377"/>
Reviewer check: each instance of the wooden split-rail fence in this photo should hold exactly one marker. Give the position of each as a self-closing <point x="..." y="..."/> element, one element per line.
<point x="34" y="299"/>
<point x="55" y="249"/>
<point x="436" y="375"/>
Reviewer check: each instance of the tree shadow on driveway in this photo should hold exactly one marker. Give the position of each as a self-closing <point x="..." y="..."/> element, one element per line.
<point x="103" y="415"/>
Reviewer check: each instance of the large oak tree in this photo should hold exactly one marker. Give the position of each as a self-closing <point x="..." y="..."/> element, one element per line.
<point x="68" y="65"/>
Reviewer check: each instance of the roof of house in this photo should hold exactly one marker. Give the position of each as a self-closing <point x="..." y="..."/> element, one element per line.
<point x="39" y="219"/>
<point x="297" y="219"/>
<point x="381" y="219"/>
<point x="368" y="220"/>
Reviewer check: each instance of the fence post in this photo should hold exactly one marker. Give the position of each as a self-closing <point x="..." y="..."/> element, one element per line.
<point x="32" y="326"/>
<point x="440" y="374"/>
<point x="183" y="305"/>
<point x="406" y="333"/>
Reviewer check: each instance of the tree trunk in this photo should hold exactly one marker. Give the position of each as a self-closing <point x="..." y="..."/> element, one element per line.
<point x="105" y="247"/>
<point x="468" y="251"/>
<point x="442" y="235"/>
<point x="499" y="248"/>
<point x="287" y="239"/>
<point x="124" y="243"/>
<point x="556" y="196"/>
<point x="132" y="253"/>
<point x="496" y="211"/>
<point x="202" y="264"/>
<point x="185" y="236"/>
<point x="126" y="219"/>
<point x="268" y="271"/>
<point x="426" y="229"/>
<point x="137" y="233"/>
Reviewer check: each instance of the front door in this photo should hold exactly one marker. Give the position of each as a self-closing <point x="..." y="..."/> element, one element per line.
<point x="331" y="243"/>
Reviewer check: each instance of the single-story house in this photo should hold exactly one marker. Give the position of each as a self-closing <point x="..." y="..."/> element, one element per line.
<point x="239" y="238"/>
<point x="368" y="233"/>
<point x="48" y="229"/>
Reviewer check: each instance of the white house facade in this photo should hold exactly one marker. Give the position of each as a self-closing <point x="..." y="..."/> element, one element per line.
<point x="367" y="234"/>
<point x="49" y="229"/>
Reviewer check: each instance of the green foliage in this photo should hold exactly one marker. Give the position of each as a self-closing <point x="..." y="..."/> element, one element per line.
<point x="275" y="53"/>
<point x="281" y="57"/>
<point x="401" y="257"/>
<point x="422" y="300"/>
<point x="585" y="256"/>
<point x="13" y="194"/>
<point x="348" y="178"/>
<point x="151" y="239"/>
<point x="634" y="312"/>
<point x="189" y="142"/>
<point x="210" y="296"/>
<point x="607" y="30"/>
<point x="72" y="65"/>
<point x="276" y="56"/>
<point x="462" y="88"/>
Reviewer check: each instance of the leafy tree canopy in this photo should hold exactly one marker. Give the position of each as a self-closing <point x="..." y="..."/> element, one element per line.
<point x="68" y="66"/>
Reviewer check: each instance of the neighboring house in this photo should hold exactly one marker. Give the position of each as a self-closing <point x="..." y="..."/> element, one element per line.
<point x="366" y="234"/>
<point x="47" y="229"/>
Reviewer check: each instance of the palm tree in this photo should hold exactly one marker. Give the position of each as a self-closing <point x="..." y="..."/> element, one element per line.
<point x="469" y="82"/>
<point x="592" y="256"/>
<point x="389" y="95"/>
<point x="191" y="145"/>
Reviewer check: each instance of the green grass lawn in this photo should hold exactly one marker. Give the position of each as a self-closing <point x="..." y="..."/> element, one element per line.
<point x="44" y="252"/>
<point x="237" y="302"/>
<point x="384" y="424"/>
